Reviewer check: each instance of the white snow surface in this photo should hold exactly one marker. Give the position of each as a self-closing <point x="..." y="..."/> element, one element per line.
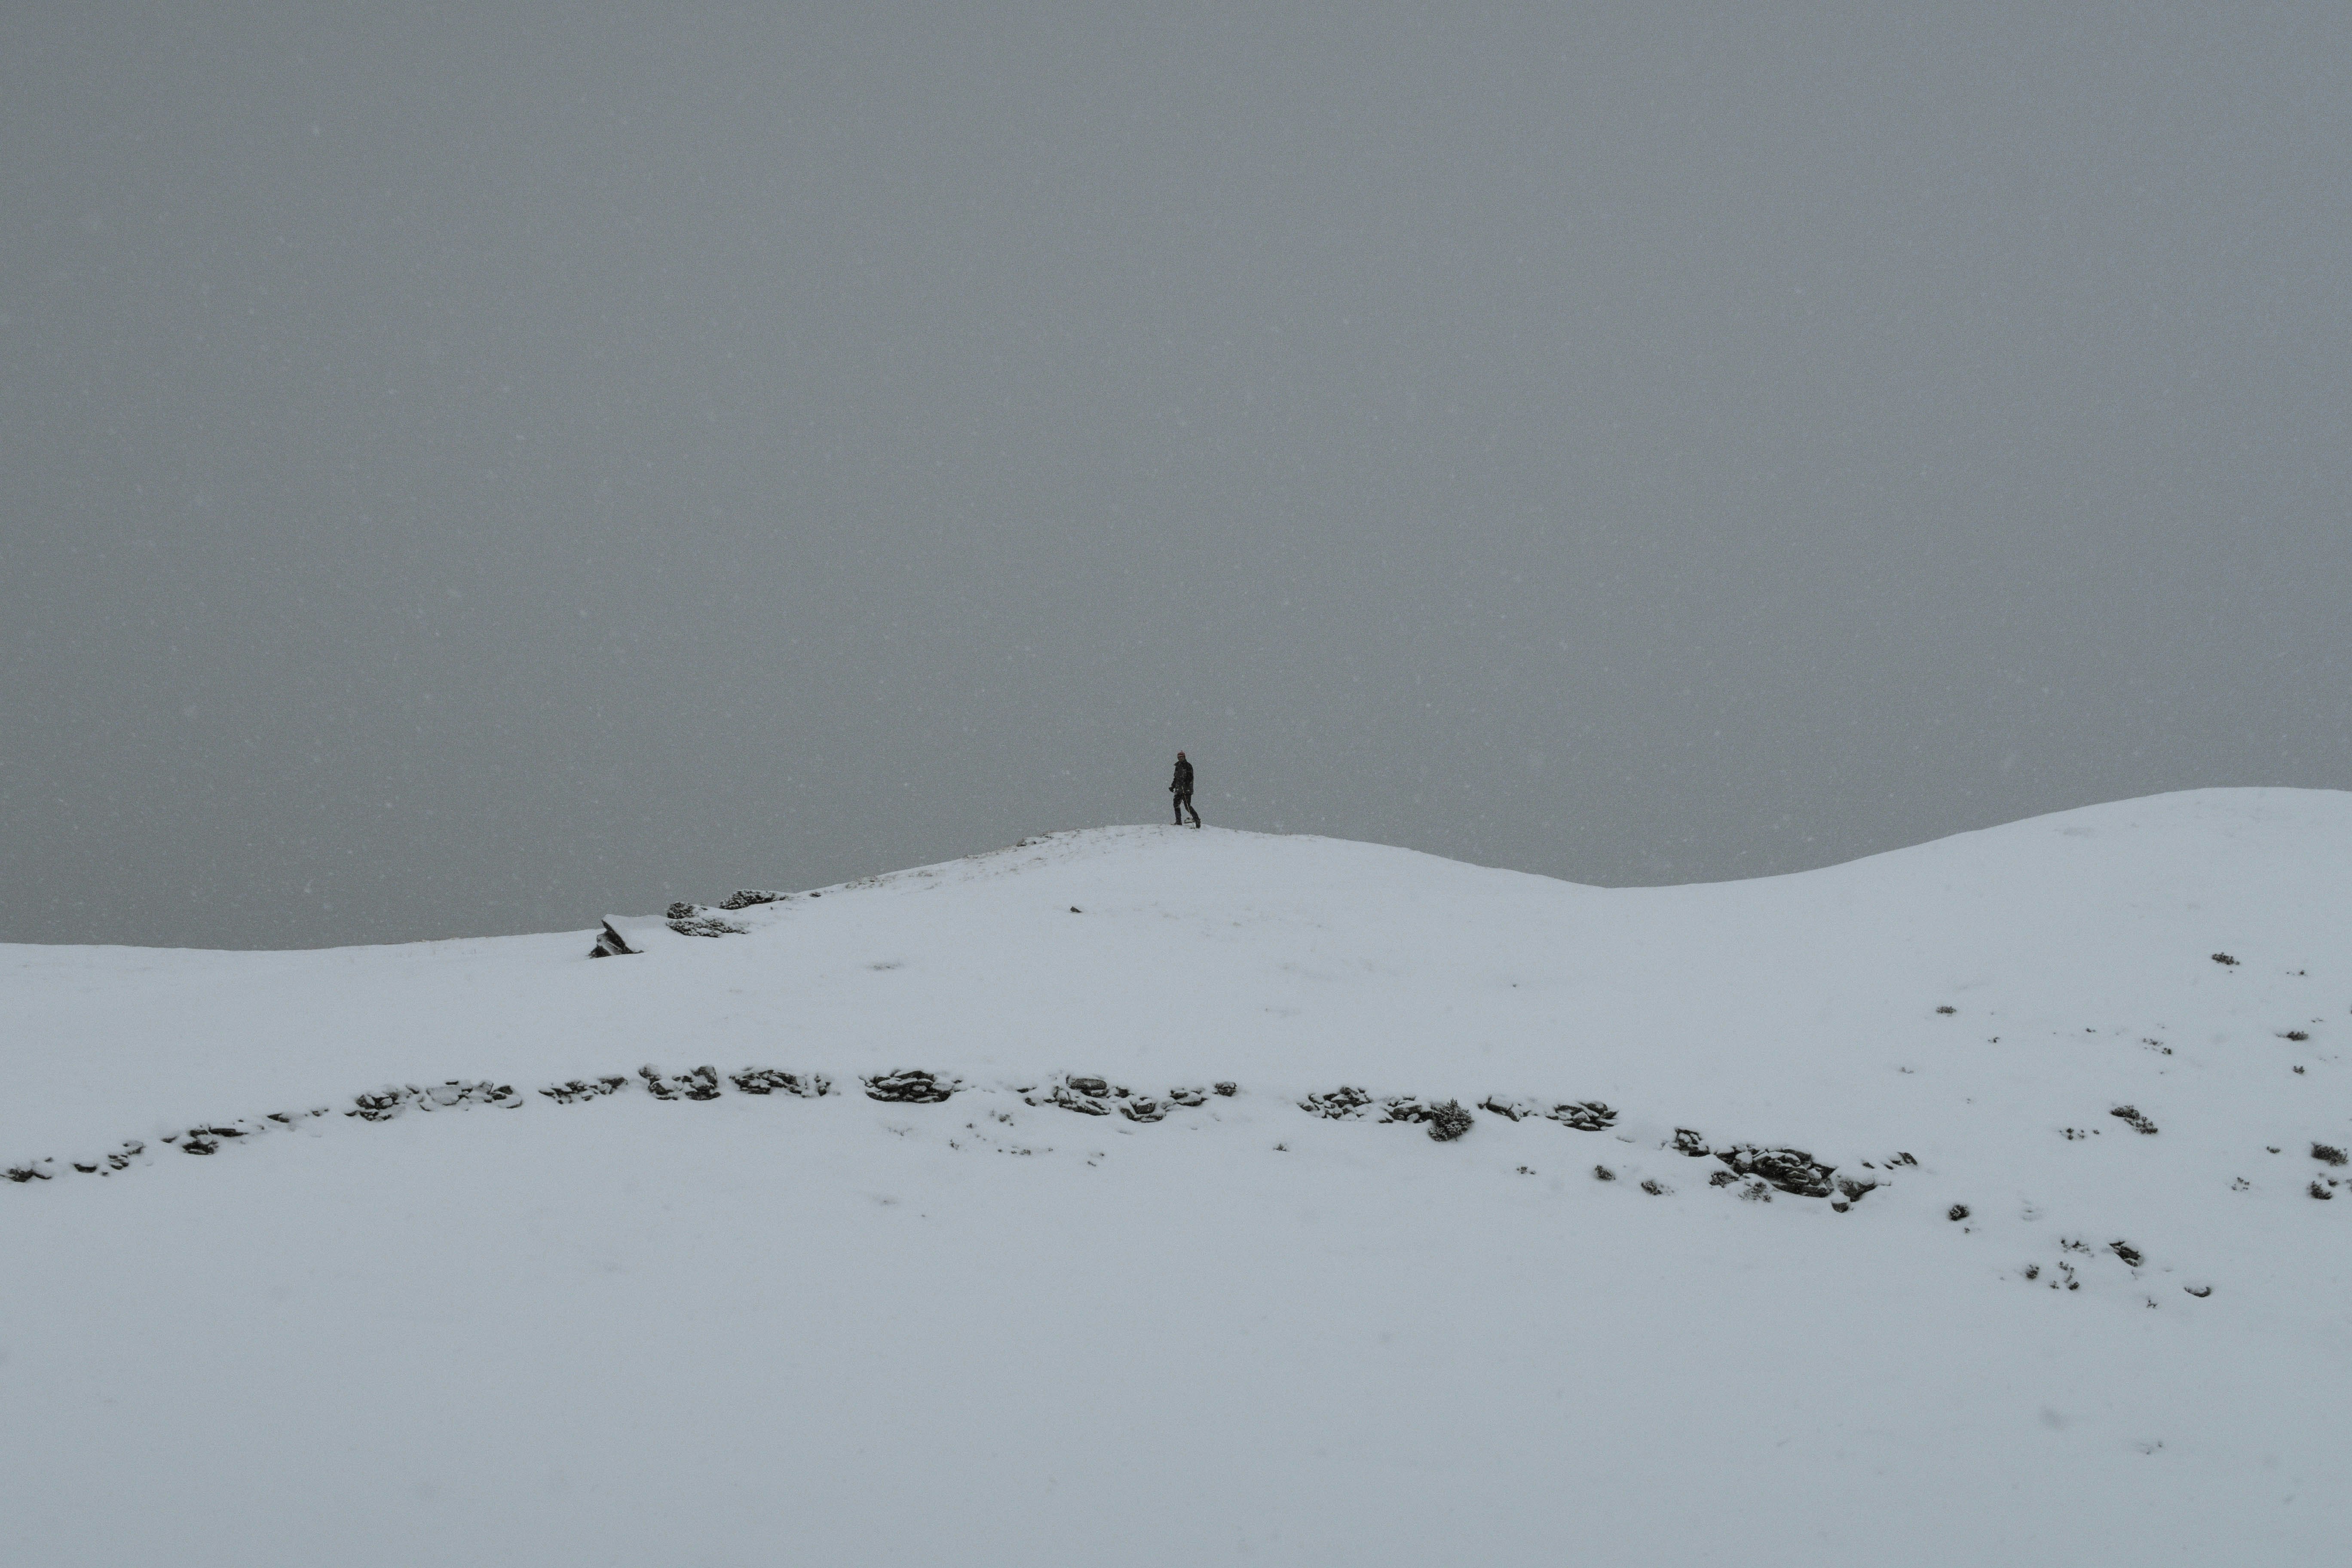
<point x="769" y="1329"/>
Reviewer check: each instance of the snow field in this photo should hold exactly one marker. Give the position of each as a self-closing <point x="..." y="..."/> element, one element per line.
<point x="753" y="1328"/>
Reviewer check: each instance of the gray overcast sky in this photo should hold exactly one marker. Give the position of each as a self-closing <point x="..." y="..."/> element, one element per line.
<point x="466" y="469"/>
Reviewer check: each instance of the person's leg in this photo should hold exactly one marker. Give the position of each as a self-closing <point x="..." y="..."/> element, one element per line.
<point x="1179" y="809"/>
<point x="1190" y="807"/>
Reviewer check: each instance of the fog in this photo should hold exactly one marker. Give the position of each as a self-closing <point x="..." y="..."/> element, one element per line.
<point x="465" y="474"/>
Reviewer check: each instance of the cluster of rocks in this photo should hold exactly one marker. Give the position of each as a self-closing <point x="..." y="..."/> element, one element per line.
<point x="1090" y="1096"/>
<point x="769" y="1081"/>
<point x="396" y="1098"/>
<point x="1446" y="1120"/>
<point x="751" y="896"/>
<point x="580" y="1089"/>
<point x="910" y="1086"/>
<point x="1584" y="1115"/>
<point x="702" y="1083"/>
<point x="1765" y="1170"/>
<point x="693" y="919"/>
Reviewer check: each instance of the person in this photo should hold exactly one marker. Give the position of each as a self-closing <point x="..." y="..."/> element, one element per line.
<point x="1181" y="786"/>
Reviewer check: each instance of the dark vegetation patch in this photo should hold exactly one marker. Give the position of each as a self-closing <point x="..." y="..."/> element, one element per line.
<point x="2327" y="1153"/>
<point x="751" y="896"/>
<point x="1688" y="1142"/>
<point x="2130" y="1116"/>
<point x="1957" y="1212"/>
<point x="2128" y="1252"/>
<point x="2225" y="960"/>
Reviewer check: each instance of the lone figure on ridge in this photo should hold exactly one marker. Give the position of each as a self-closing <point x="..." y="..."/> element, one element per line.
<point x="1181" y="786"/>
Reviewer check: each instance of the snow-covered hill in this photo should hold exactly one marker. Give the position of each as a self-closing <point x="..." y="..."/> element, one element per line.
<point x="2075" y="1289"/>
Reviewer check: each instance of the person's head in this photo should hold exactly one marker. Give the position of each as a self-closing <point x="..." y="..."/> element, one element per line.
<point x="1180" y="756"/>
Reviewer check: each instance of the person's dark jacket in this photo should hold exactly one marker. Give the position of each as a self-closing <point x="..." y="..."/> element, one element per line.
<point x="1182" y="782"/>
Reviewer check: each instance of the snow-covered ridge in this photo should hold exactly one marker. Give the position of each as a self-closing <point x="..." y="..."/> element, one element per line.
<point x="2050" y="1117"/>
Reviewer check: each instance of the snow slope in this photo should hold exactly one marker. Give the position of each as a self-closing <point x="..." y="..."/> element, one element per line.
<point x="766" y="1327"/>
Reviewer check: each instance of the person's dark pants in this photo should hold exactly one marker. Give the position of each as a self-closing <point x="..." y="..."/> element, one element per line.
<point x="1183" y="805"/>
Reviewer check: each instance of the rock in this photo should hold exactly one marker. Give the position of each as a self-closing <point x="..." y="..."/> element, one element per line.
<point x="1228" y="1089"/>
<point x="569" y="1093"/>
<point x="1790" y="1170"/>
<point x="1510" y="1107"/>
<point x="768" y="1080"/>
<point x="1957" y="1212"/>
<point x="1188" y="1097"/>
<point x="749" y="897"/>
<point x="910" y="1086"/>
<point x="1342" y="1104"/>
<point x="1853" y="1187"/>
<point x="1687" y="1142"/>
<point x="610" y="943"/>
<point x="1659" y="1190"/>
<point x="1584" y="1115"/>
<point x="707" y="925"/>
<point x="702" y="1083"/>
<point x="1603" y="1173"/>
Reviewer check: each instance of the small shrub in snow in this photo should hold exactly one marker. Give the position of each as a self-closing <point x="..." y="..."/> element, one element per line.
<point x="1654" y="1188"/>
<point x="1228" y="1089"/>
<point x="2130" y="1116"/>
<point x="2224" y="959"/>
<point x="2327" y="1153"/>
<point x="750" y="896"/>
<point x="1947" y="1011"/>
<point x="2319" y="1189"/>
<point x="1957" y="1212"/>
<point x="1721" y="1179"/>
<point x="1687" y="1142"/>
<point x="1509" y="1107"/>
<point x="1448" y="1121"/>
<point x="2127" y="1251"/>
<point x="1603" y="1173"/>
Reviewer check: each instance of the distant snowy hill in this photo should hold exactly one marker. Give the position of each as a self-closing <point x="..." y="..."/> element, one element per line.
<point x="1979" y="1202"/>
